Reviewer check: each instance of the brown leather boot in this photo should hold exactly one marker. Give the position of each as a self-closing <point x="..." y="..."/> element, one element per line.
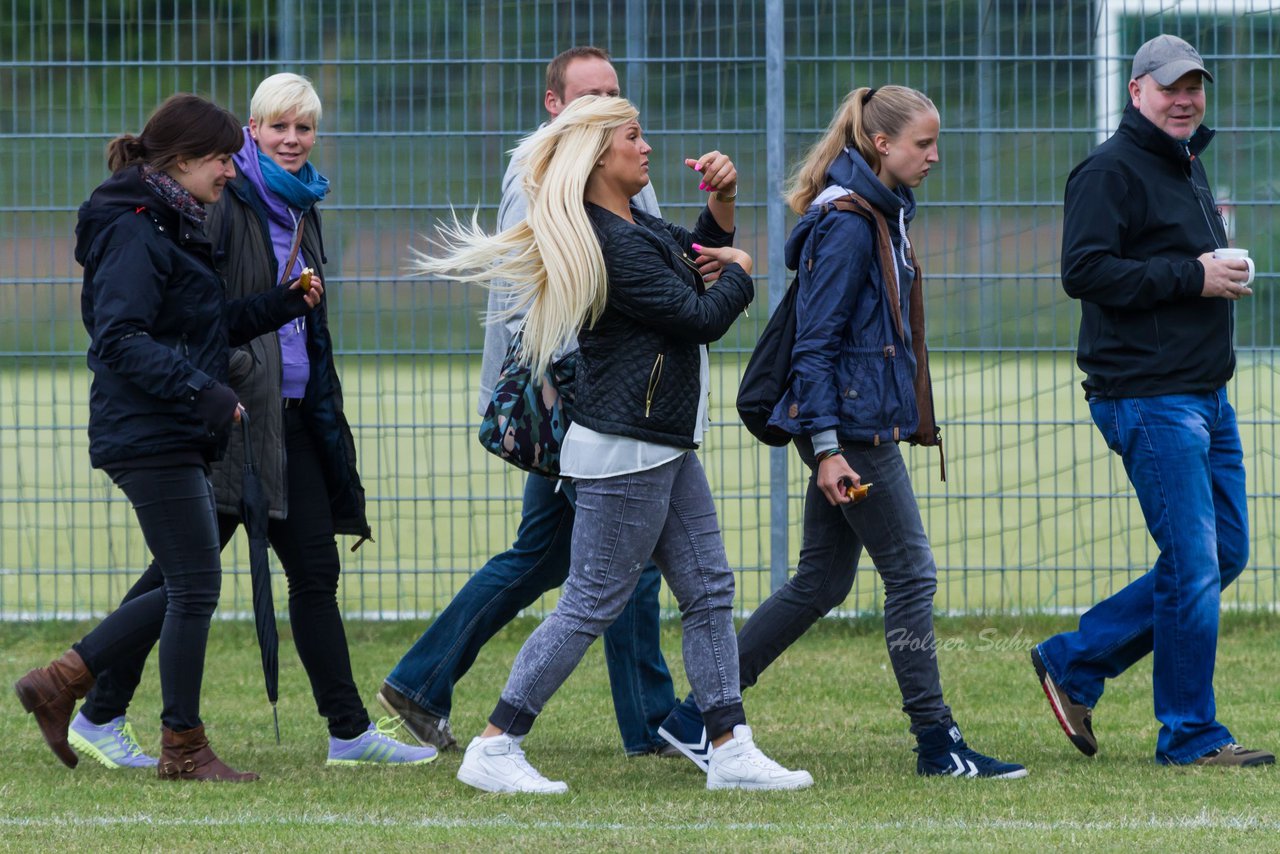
<point x="50" y="693"/>
<point x="188" y="756"/>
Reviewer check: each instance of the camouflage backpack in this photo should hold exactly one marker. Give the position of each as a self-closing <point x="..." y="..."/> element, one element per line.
<point x="526" y="420"/>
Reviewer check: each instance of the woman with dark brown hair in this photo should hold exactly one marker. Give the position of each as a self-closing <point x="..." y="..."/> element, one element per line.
<point x="268" y="225"/>
<point x="160" y="409"/>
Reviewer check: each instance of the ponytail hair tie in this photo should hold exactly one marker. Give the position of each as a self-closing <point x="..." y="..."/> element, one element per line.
<point x="867" y="97"/>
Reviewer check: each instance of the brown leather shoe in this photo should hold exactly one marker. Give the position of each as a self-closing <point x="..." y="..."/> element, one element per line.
<point x="1075" y="718"/>
<point x="50" y="693"/>
<point x="188" y="756"/>
<point x="426" y="728"/>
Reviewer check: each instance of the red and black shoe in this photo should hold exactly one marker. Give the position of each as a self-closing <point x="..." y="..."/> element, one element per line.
<point x="1076" y="718"/>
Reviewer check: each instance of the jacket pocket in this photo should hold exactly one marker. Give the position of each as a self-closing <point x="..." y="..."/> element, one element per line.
<point x="876" y="392"/>
<point x="651" y="389"/>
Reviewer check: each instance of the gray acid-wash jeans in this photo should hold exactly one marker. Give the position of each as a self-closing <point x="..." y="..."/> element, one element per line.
<point x="888" y="526"/>
<point x="665" y="513"/>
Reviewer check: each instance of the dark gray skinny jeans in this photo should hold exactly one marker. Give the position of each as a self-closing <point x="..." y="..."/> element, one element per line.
<point x="888" y="525"/>
<point x="665" y="513"/>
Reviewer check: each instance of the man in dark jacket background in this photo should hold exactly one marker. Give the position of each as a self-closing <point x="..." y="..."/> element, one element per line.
<point x="1156" y="345"/>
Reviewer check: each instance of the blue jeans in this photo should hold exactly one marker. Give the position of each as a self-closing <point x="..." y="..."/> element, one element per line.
<point x="1183" y="455"/>
<point x="665" y="514"/>
<point x="887" y="524"/>
<point x="538" y="561"/>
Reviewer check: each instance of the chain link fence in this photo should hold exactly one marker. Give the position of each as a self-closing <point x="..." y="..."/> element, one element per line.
<point x="424" y="99"/>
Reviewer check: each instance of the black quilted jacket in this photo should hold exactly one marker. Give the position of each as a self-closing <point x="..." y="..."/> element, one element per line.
<point x="638" y="366"/>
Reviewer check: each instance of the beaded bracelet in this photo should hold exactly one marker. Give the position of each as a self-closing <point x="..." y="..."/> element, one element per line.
<point x="823" y="456"/>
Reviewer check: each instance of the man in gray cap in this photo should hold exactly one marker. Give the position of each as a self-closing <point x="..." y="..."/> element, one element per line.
<point x="1157" y="321"/>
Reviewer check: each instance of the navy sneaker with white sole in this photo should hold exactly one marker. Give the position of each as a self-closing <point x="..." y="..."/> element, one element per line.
<point x="943" y="752"/>
<point x="683" y="729"/>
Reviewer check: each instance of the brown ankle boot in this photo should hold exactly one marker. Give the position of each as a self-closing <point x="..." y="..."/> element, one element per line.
<point x="50" y="693"/>
<point x="188" y="756"/>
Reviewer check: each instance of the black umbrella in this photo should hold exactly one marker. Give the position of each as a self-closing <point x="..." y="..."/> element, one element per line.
<point x="253" y="511"/>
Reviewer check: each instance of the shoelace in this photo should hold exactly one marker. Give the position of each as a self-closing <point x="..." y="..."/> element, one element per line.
<point x="386" y="728"/>
<point x="755" y="756"/>
<point x="125" y="730"/>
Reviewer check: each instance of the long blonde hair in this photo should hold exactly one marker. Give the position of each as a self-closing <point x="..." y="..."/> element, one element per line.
<point x="864" y="113"/>
<point x="551" y="263"/>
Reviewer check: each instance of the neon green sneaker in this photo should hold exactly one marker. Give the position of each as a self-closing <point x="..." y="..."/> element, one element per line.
<point x="113" y="744"/>
<point x="375" y="746"/>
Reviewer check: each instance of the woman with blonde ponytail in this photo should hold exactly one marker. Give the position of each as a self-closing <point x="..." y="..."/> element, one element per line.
<point x="630" y="285"/>
<point x="860" y="384"/>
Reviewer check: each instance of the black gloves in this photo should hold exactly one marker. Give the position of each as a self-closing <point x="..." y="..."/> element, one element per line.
<point x="216" y="405"/>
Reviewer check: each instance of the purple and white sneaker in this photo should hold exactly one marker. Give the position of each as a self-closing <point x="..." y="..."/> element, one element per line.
<point x="113" y="744"/>
<point x="375" y="746"/>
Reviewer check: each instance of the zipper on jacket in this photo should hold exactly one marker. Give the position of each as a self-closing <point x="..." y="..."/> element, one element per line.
<point x="655" y="376"/>
<point x="1195" y="191"/>
<point x="694" y="267"/>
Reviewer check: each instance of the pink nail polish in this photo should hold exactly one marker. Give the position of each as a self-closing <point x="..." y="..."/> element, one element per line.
<point x="703" y="186"/>
<point x="697" y="167"/>
<point x="696" y="248"/>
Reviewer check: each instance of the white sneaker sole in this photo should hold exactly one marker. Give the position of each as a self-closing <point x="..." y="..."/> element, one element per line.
<point x="486" y="783"/>
<point x="1012" y="775"/>
<point x="755" y="786"/>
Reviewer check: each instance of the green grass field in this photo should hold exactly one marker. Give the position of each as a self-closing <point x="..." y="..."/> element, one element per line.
<point x="1035" y="514"/>
<point x="830" y="705"/>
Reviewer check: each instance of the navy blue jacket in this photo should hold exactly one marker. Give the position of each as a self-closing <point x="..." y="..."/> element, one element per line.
<point x="159" y="328"/>
<point x="859" y="364"/>
<point x="1139" y="212"/>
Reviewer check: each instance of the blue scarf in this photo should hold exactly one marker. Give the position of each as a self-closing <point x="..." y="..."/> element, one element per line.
<point x="299" y="191"/>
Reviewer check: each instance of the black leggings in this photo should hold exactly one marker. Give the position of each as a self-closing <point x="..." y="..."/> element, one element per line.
<point x="175" y="508"/>
<point x="305" y="544"/>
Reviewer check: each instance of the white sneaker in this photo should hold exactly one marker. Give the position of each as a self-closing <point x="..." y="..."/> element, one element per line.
<point x="739" y="764"/>
<point x="497" y="764"/>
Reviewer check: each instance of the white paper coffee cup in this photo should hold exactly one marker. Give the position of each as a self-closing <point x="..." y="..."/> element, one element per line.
<point x="1233" y="254"/>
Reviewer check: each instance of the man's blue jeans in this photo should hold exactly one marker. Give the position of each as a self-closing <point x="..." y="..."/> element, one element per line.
<point x="1183" y="455"/>
<point x="538" y="561"/>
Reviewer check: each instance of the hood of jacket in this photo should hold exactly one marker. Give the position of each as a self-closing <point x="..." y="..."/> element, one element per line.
<point x="850" y="172"/>
<point x="123" y="192"/>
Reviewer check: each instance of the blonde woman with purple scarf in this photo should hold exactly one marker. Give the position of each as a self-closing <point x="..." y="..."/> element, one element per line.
<point x="265" y="232"/>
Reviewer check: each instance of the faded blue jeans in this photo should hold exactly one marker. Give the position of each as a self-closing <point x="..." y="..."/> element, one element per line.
<point x="538" y="561"/>
<point x="888" y="526"/>
<point x="1183" y="455"/>
<point x="665" y="514"/>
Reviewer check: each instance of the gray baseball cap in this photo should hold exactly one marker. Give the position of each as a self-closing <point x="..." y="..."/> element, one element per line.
<point x="1166" y="58"/>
